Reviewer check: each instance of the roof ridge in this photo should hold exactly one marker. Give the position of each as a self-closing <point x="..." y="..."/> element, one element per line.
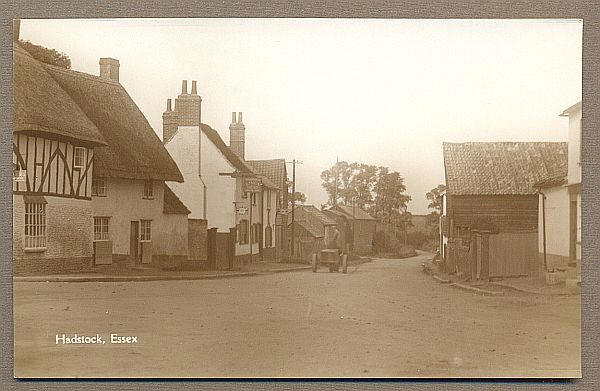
<point x="88" y="76"/>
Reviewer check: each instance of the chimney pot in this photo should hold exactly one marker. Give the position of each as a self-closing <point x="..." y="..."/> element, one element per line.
<point x="169" y="108"/>
<point x="109" y="69"/>
<point x="240" y="118"/>
<point x="233" y="121"/>
<point x="184" y="87"/>
<point x="194" y="90"/>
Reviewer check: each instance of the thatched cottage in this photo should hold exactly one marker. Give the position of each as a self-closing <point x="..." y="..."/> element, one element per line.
<point x="219" y="186"/>
<point x="136" y="218"/>
<point x="54" y="143"/>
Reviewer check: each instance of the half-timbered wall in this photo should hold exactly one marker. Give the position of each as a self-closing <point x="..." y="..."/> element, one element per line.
<point x="50" y="167"/>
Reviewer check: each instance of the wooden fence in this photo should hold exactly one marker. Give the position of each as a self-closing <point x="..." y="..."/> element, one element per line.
<point x="485" y="255"/>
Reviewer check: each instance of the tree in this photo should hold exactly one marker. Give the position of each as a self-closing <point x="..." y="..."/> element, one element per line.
<point x="297" y="197"/>
<point x="390" y="201"/>
<point x="350" y="183"/>
<point x="46" y="55"/>
<point x="435" y="198"/>
<point x="377" y="190"/>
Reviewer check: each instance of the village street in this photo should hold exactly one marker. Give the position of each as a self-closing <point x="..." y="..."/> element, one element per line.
<point x="385" y="318"/>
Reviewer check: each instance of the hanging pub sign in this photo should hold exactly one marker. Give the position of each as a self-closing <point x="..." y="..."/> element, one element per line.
<point x="251" y="185"/>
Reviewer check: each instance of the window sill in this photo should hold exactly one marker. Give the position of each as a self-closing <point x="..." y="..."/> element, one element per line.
<point x="98" y="195"/>
<point x="35" y="249"/>
<point x="101" y="240"/>
<point x="147" y="198"/>
<point x="145" y="241"/>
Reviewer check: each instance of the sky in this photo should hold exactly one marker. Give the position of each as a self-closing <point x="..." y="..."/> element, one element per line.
<point x="376" y="91"/>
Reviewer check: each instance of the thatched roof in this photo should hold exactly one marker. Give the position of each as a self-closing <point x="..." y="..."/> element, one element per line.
<point x="502" y="168"/>
<point x="42" y="106"/>
<point x="172" y="204"/>
<point x="134" y="150"/>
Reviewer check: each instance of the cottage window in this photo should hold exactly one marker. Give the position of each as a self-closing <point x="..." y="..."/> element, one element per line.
<point x="268" y="236"/>
<point x="145" y="230"/>
<point x="79" y="157"/>
<point x="99" y="187"/>
<point x="148" y="190"/>
<point x="35" y="226"/>
<point x="100" y="228"/>
<point x="268" y="199"/>
<point x="242" y="232"/>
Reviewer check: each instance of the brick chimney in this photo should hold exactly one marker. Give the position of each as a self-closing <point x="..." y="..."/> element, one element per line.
<point x="109" y="69"/>
<point x="237" y="135"/>
<point x="169" y="123"/>
<point x="187" y="111"/>
<point x="188" y="106"/>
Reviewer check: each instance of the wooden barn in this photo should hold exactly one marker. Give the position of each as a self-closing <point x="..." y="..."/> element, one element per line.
<point x="490" y="213"/>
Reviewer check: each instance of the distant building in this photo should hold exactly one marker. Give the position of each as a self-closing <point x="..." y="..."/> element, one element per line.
<point x="357" y="227"/>
<point x="220" y="187"/>
<point x="135" y="217"/>
<point x="560" y="204"/>
<point x="312" y="230"/>
<point x="490" y="188"/>
<point x="54" y="143"/>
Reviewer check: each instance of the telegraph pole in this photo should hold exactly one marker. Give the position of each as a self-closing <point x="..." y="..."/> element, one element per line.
<point x="293" y="162"/>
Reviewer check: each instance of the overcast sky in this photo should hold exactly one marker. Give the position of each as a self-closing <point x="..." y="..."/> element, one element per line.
<point x="384" y="92"/>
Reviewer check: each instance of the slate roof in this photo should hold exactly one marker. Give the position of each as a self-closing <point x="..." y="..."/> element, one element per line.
<point x="42" y="106"/>
<point x="502" y="168"/>
<point x="358" y="213"/>
<point x="274" y="169"/>
<point x="172" y="204"/>
<point x="134" y="150"/>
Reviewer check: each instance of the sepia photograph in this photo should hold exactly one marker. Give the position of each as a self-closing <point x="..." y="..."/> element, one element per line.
<point x="297" y="198"/>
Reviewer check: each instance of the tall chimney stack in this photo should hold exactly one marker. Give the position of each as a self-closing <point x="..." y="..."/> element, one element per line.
<point x="237" y="136"/>
<point x="170" y="120"/>
<point x="109" y="69"/>
<point x="194" y="90"/>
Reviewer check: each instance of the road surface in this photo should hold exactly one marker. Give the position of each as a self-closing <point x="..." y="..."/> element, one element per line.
<point x="382" y="319"/>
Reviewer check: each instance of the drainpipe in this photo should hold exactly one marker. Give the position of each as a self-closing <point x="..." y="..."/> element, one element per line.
<point x="544" y="225"/>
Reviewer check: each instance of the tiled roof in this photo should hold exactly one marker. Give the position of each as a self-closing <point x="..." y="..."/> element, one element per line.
<point x="172" y="204"/>
<point x="314" y="231"/>
<point x="314" y="211"/>
<point x="274" y="169"/>
<point x="41" y="105"/>
<point x="502" y="168"/>
<point x="356" y="212"/>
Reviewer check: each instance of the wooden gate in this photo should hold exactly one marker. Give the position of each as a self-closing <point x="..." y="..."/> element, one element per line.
<point x="512" y="254"/>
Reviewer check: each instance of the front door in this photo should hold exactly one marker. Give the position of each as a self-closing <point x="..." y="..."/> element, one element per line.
<point x="134" y="235"/>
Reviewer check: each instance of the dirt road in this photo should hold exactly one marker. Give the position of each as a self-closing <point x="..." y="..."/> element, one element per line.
<point x="382" y="319"/>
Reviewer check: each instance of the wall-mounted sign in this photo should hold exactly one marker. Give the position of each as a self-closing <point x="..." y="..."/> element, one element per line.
<point x="242" y="210"/>
<point x="252" y="185"/>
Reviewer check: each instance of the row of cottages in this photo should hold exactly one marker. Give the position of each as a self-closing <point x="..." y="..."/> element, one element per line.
<point x="312" y="230"/>
<point x="89" y="185"/>
<point x="559" y="238"/>
<point x="229" y="194"/>
<point x="489" y="222"/>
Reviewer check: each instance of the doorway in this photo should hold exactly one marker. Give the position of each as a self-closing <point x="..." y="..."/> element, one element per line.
<point x="134" y="246"/>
